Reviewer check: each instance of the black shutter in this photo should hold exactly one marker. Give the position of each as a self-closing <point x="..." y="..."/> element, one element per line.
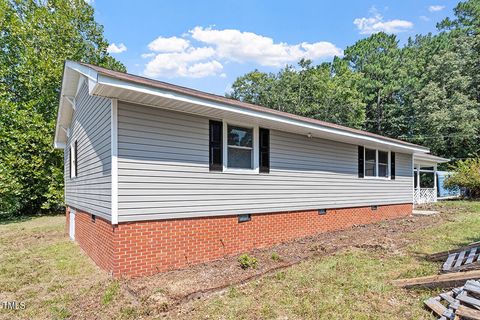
<point x="70" y="161"/>
<point x="392" y="165"/>
<point x="264" y="150"/>
<point x="76" y="159"/>
<point x="216" y="151"/>
<point x="361" y="155"/>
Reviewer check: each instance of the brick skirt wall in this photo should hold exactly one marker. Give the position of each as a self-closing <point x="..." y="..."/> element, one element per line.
<point x="96" y="238"/>
<point x="136" y="249"/>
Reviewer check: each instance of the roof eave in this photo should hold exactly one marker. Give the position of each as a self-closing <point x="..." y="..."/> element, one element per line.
<point x="108" y="81"/>
<point x="70" y="69"/>
<point x="99" y="83"/>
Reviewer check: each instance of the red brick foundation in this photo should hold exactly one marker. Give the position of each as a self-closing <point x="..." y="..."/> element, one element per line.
<point x="142" y="248"/>
<point x="95" y="238"/>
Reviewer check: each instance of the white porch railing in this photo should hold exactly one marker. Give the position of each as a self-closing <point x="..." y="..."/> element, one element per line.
<point x="425" y="195"/>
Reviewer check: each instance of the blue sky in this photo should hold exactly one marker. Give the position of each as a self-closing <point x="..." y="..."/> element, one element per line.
<point x="206" y="45"/>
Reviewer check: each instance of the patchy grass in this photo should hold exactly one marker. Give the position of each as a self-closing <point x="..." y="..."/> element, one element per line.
<point x="352" y="284"/>
<point x="111" y="292"/>
<point x="41" y="267"/>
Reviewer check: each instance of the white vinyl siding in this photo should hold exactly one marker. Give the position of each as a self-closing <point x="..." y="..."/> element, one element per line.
<point x="90" y="190"/>
<point x="163" y="164"/>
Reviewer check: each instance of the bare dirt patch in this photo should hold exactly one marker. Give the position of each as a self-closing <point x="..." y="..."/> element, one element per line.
<point x="167" y="291"/>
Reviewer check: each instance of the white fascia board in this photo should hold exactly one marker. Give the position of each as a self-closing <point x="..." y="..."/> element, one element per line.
<point x="428" y="158"/>
<point x="112" y="82"/>
<point x="84" y="71"/>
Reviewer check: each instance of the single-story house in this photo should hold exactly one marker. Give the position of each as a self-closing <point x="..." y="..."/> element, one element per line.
<point x="159" y="177"/>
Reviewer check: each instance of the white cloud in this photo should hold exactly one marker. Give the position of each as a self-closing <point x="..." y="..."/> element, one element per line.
<point x="231" y="44"/>
<point x="113" y="48"/>
<point x="172" y="44"/>
<point x="178" y="57"/>
<point x="204" y="69"/>
<point x="147" y="55"/>
<point x="376" y="23"/>
<point x="189" y="63"/>
<point x="90" y="2"/>
<point x="435" y="8"/>
<point x="424" y="18"/>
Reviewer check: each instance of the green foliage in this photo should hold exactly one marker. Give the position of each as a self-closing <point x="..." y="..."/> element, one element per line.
<point x="467" y="175"/>
<point x="275" y="256"/>
<point x="247" y="261"/>
<point x="36" y="38"/>
<point x="111" y="292"/>
<point x="426" y="92"/>
<point x="327" y="92"/>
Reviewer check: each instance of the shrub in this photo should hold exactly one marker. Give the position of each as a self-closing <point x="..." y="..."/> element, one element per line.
<point x="246" y="261"/>
<point x="466" y="175"/>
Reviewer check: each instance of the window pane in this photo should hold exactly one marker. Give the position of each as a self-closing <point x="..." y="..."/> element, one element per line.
<point x="370" y="163"/>
<point x="239" y="158"/>
<point x="370" y="169"/>
<point x="382" y="170"/>
<point x="382" y="157"/>
<point x="370" y="155"/>
<point x="238" y="136"/>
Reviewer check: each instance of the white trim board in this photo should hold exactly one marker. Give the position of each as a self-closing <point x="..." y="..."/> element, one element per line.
<point x="114" y="170"/>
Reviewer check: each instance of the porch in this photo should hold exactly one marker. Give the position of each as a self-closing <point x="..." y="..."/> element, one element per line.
<point x="425" y="189"/>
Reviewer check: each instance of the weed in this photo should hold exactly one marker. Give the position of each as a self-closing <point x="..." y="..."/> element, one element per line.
<point x="110" y="292"/>
<point x="275" y="257"/>
<point x="247" y="262"/>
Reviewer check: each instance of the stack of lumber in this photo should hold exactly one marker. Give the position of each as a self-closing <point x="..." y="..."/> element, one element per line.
<point x="459" y="303"/>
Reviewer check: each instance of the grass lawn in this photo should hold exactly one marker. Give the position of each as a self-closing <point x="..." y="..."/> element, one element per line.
<point x="41" y="267"/>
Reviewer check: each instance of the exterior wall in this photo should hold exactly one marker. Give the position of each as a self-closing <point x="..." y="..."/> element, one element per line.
<point x="96" y="238"/>
<point x="148" y="247"/>
<point x="164" y="172"/>
<point x="90" y="191"/>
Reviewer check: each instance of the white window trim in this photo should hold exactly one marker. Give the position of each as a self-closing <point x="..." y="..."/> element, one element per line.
<point x="389" y="164"/>
<point x="73" y="160"/>
<point x="256" y="166"/>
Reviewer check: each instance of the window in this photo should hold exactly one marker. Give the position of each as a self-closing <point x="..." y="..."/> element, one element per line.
<point x="370" y="163"/>
<point x="73" y="160"/>
<point x="377" y="163"/>
<point x="383" y="164"/>
<point x="239" y="147"/>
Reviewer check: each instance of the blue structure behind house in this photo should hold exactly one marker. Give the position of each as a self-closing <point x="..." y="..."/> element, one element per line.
<point x="442" y="191"/>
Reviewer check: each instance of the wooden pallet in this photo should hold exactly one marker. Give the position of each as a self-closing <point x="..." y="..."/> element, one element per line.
<point x="459" y="303"/>
<point x="463" y="260"/>
<point x="441" y="256"/>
